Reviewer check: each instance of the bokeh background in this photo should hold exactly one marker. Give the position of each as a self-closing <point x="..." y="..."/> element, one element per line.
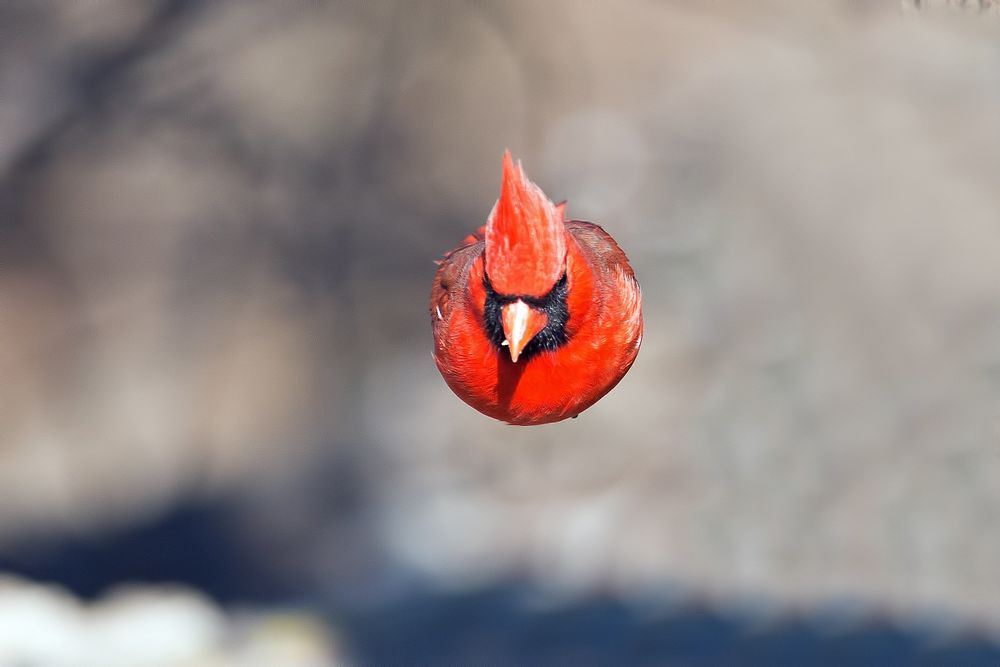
<point x="222" y="437"/>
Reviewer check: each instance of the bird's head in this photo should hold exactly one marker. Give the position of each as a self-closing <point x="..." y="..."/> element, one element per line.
<point x="526" y="248"/>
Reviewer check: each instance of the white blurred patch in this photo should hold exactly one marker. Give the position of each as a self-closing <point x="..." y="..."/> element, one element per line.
<point x="145" y="627"/>
<point x="152" y="627"/>
<point x="39" y="626"/>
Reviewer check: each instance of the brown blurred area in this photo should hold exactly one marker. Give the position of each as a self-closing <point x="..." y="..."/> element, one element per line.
<point x="217" y="227"/>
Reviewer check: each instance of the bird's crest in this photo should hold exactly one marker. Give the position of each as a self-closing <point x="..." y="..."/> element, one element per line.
<point x="525" y="237"/>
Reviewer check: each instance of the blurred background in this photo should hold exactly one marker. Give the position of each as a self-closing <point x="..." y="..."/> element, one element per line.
<point x="222" y="437"/>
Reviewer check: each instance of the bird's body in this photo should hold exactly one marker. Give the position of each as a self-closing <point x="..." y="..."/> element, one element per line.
<point x="534" y="318"/>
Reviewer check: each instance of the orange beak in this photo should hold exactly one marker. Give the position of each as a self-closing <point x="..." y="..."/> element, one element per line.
<point x="521" y="323"/>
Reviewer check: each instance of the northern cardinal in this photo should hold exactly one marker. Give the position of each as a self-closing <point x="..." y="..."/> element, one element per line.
<point x="535" y="317"/>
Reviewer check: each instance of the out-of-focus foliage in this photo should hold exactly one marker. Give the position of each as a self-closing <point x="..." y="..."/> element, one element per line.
<point x="217" y="221"/>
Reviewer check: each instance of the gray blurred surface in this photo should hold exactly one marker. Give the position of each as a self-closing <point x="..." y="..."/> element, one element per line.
<point x="218" y="221"/>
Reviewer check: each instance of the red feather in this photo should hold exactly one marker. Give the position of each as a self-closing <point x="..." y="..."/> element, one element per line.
<point x="576" y="339"/>
<point x="525" y="237"/>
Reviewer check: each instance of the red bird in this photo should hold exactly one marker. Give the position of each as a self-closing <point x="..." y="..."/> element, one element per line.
<point x="535" y="317"/>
